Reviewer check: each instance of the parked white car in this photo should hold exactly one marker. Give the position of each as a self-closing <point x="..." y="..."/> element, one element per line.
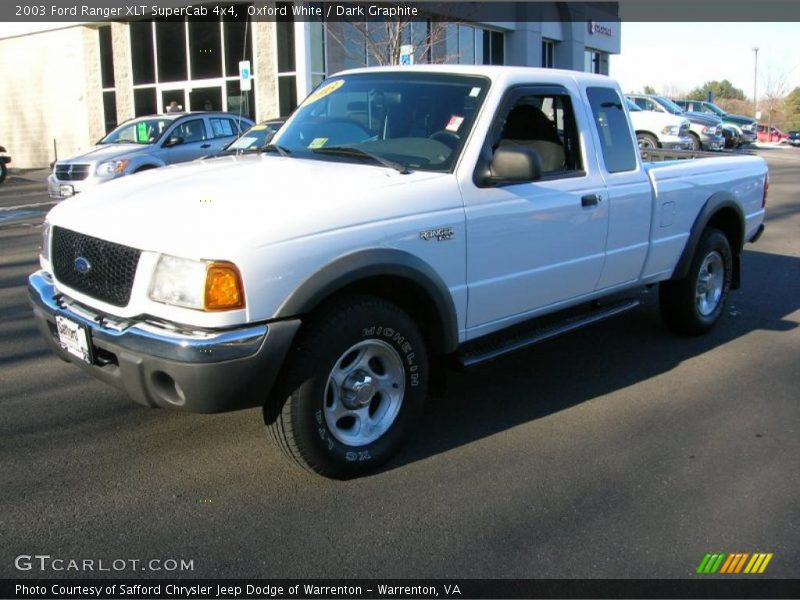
<point x="659" y="130"/>
<point x="402" y="220"/>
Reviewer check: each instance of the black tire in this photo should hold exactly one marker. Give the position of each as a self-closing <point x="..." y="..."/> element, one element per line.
<point x="3" y="172"/>
<point x="647" y="141"/>
<point x="301" y="415"/>
<point x="144" y="168"/>
<point x="685" y="307"/>
<point x="696" y="145"/>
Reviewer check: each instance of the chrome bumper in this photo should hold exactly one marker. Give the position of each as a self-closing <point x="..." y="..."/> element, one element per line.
<point x="199" y="371"/>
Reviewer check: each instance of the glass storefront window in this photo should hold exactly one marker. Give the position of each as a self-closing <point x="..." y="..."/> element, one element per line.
<point x="205" y="49"/>
<point x="171" y="45"/>
<point x="106" y="57"/>
<point x="110" y="110"/>
<point x="236" y="34"/>
<point x="142" y="52"/>
<point x="144" y="101"/>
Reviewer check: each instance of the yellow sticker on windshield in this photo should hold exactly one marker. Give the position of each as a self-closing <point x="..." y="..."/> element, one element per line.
<point x="258" y="128"/>
<point x="324" y="91"/>
<point x="318" y="143"/>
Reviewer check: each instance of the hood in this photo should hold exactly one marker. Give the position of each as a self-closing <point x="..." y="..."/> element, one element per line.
<point x="704" y="119"/>
<point x="739" y="119"/>
<point x="104" y="152"/>
<point x="214" y="207"/>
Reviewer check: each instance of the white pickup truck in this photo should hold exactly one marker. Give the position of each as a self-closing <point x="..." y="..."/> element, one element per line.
<point x="403" y="221"/>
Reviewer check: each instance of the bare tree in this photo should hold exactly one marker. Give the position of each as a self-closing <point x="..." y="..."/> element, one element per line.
<point x="672" y="90"/>
<point x="773" y="99"/>
<point x="383" y="41"/>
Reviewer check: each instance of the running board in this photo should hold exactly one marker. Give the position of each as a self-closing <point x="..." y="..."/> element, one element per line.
<point x="495" y="348"/>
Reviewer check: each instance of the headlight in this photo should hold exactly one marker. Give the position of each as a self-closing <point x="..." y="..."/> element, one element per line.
<point x="710" y="130"/>
<point x="112" y="168"/>
<point x="671" y="130"/>
<point x="199" y="284"/>
<point x="46" y="231"/>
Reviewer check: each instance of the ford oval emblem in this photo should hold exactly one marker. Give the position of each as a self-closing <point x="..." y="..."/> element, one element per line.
<point x="82" y="265"/>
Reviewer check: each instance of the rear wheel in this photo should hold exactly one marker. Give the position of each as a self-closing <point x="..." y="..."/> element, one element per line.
<point x="694" y="305"/>
<point x="355" y="382"/>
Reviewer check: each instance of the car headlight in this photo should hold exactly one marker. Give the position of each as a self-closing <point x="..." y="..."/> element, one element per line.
<point x="710" y="130"/>
<point x="46" y="232"/>
<point x="112" y="168"/>
<point x="671" y="130"/>
<point x="200" y="284"/>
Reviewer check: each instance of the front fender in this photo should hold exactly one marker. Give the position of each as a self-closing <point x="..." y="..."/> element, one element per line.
<point x="365" y="264"/>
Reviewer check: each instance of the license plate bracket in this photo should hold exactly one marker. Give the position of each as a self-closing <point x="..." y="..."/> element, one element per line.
<point x="74" y="338"/>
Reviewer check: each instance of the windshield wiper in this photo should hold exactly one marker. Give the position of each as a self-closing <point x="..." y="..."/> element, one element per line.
<point x="359" y="153"/>
<point x="275" y="148"/>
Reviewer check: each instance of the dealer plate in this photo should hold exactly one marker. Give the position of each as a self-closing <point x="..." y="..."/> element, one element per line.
<point x="65" y="191"/>
<point x="74" y="338"/>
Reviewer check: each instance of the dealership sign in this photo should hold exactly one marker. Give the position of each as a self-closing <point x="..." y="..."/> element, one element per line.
<point x="600" y="29"/>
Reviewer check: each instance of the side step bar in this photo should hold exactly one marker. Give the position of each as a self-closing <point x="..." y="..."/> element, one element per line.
<point x="490" y="350"/>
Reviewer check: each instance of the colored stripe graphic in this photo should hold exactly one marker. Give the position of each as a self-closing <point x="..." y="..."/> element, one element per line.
<point x="734" y="563"/>
<point x="727" y="564"/>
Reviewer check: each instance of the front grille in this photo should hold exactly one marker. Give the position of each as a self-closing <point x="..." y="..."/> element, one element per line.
<point x="72" y="172"/>
<point x="107" y="269"/>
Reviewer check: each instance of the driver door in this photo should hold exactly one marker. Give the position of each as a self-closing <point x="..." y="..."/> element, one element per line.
<point x="196" y="141"/>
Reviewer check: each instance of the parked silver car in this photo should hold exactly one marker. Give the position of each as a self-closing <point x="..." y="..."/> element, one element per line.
<point x="145" y="143"/>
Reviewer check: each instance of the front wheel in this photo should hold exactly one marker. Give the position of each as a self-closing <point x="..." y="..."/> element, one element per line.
<point x="355" y="382"/>
<point x="696" y="145"/>
<point x="693" y="305"/>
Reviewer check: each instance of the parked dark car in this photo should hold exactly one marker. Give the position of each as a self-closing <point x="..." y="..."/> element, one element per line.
<point x="747" y="125"/>
<point x="254" y="139"/>
<point x="4" y="160"/>
<point x="794" y="138"/>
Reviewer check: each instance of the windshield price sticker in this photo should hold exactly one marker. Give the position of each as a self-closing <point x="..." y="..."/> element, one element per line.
<point x="454" y="123"/>
<point x="473" y="93"/>
<point x="141" y="133"/>
<point x="324" y="91"/>
<point x="318" y="142"/>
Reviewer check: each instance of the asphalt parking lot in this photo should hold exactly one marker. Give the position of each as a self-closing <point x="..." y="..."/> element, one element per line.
<point x="618" y="451"/>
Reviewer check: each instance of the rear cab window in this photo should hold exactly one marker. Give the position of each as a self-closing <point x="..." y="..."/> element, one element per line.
<point x="616" y="143"/>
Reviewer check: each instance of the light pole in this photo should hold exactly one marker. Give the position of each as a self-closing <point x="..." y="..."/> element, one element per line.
<point x="755" y="83"/>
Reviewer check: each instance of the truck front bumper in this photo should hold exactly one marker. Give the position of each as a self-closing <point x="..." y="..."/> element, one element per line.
<point x="206" y="371"/>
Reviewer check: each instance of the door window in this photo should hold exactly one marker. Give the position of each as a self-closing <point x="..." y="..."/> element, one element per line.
<point x="544" y="123"/>
<point x="192" y="131"/>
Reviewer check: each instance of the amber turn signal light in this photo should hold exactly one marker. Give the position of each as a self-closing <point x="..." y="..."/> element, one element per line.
<point x="224" y="289"/>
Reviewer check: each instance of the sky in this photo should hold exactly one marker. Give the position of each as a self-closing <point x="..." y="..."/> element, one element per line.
<point x="677" y="57"/>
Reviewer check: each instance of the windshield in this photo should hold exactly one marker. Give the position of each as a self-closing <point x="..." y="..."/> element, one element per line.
<point x="669" y="105"/>
<point x="632" y="107"/>
<point x="715" y="109"/>
<point x="254" y="139"/>
<point x="412" y="119"/>
<point x="141" y="131"/>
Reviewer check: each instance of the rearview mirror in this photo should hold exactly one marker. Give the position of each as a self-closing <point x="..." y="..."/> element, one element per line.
<point x="514" y="164"/>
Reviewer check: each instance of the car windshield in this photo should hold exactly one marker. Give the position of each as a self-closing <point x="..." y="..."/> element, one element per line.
<point x="715" y="109"/>
<point x="411" y="120"/>
<point x="253" y="139"/>
<point x="140" y="131"/>
<point x="632" y="107"/>
<point x="669" y="105"/>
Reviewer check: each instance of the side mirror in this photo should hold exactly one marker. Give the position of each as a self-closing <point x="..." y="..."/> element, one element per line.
<point x="514" y="164"/>
<point x="175" y="140"/>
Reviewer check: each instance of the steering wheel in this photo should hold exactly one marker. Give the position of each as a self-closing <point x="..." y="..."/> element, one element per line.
<point x="448" y="138"/>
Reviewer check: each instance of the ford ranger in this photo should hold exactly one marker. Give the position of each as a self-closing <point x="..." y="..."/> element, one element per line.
<point x="405" y="220"/>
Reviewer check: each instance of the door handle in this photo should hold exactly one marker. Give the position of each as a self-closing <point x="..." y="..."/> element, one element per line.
<point x="590" y="200"/>
<point x="206" y="146"/>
